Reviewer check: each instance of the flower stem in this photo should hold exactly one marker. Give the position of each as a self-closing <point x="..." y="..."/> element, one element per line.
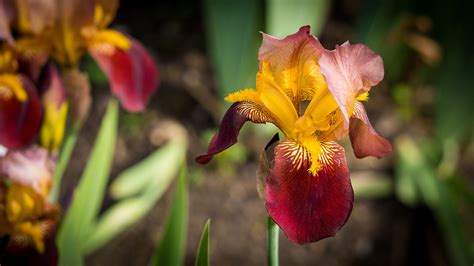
<point x="272" y="242"/>
<point x="64" y="157"/>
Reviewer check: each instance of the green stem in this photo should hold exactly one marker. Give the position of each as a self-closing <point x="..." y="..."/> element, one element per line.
<point x="64" y="157"/>
<point x="272" y="242"/>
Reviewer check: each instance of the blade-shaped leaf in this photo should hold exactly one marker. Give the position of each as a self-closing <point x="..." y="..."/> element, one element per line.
<point x="170" y="250"/>
<point x="286" y="17"/>
<point x="202" y="256"/>
<point x="158" y="168"/>
<point x="89" y="193"/>
<point x="233" y="41"/>
<point x="151" y="177"/>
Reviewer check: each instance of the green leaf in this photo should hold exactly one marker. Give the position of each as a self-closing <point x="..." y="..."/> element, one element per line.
<point x="434" y="193"/>
<point x="233" y="41"/>
<point x="64" y="157"/>
<point x="202" y="256"/>
<point x="171" y="248"/>
<point x="272" y="242"/>
<point x="158" y="169"/>
<point x="151" y="178"/>
<point x="89" y="193"/>
<point x="286" y="17"/>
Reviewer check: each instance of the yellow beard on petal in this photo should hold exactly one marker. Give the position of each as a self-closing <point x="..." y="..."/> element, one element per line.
<point x="10" y="85"/>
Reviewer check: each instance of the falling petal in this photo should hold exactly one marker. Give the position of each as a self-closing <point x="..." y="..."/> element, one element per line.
<point x="309" y="207"/>
<point x="365" y="140"/>
<point x="234" y="119"/>
<point x="20" y="116"/>
<point x="132" y="73"/>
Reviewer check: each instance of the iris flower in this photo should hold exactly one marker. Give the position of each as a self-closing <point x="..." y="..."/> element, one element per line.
<point x="67" y="30"/>
<point x="314" y="96"/>
<point x="26" y="215"/>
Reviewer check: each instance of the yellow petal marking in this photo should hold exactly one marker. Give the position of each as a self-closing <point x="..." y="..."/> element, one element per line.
<point x="109" y="40"/>
<point x="52" y="129"/>
<point x="34" y="232"/>
<point x="363" y="97"/>
<point x="245" y="95"/>
<point x="275" y="100"/>
<point x="314" y="149"/>
<point x="10" y="85"/>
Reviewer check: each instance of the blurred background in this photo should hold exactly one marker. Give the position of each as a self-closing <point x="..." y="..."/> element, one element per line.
<point x="414" y="207"/>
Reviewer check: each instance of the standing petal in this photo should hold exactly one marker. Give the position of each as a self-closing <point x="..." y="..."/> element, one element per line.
<point x="293" y="62"/>
<point x="55" y="109"/>
<point x="20" y="111"/>
<point x="309" y="207"/>
<point x="234" y="119"/>
<point x="349" y="71"/>
<point x="30" y="167"/>
<point x="365" y="140"/>
<point x="132" y="73"/>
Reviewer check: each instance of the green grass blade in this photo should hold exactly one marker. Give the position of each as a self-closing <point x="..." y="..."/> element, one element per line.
<point x="202" y="256"/>
<point x="171" y="248"/>
<point x="159" y="168"/>
<point x="286" y="17"/>
<point x="151" y="178"/>
<point x="272" y="242"/>
<point x="89" y="193"/>
<point x="64" y="157"/>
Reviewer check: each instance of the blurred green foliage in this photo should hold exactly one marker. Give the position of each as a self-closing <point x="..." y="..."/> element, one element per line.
<point x="202" y="256"/>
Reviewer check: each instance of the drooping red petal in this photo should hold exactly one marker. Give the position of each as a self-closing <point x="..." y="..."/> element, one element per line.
<point x="349" y="71"/>
<point x="234" y="119"/>
<point x="365" y="140"/>
<point x="132" y="74"/>
<point x="20" y="121"/>
<point x="306" y="207"/>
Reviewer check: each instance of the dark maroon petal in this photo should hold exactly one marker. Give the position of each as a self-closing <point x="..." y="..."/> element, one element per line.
<point x="20" y="121"/>
<point x="132" y="74"/>
<point x="365" y="140"/>
<point x="309" y="208"/>
<point x="234" y="119"/>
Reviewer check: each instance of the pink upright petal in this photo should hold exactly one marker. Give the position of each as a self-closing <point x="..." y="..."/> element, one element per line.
<point x="307" y="207"/>
<point x="30" y="167"/>
<point x="132" y="74"/>
<point x="365" y="140"/>
<point x="349" y="71"/>
<point x="6" y="16"/>
<point x="19" y="120"/>
<point x="234" y="119"/>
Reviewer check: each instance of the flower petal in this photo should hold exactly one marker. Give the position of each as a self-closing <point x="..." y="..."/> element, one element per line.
<point x="349" y="71"/>
<point x="20" y="111"/>
<point x="234" y="119"/>
<point x="30" y="167"/>
<point x="6" y="16"/>
<point x="293" y="61"/>
<point x="307" y="207"/>
<point x="55" y="109"/>
<point x="132" y="73"/>
<point x="365" y="140"/>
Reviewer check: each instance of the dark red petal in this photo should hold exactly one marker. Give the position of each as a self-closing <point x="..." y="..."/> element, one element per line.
<point x="309" y="208"/>
<point x="234" y="119"/>
<point x="20" y="121"/>
<point x="132" y="74"/>
<point x="365" y="140"/>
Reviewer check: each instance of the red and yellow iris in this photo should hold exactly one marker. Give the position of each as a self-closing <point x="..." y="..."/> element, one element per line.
<point x="314" y="96"/>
